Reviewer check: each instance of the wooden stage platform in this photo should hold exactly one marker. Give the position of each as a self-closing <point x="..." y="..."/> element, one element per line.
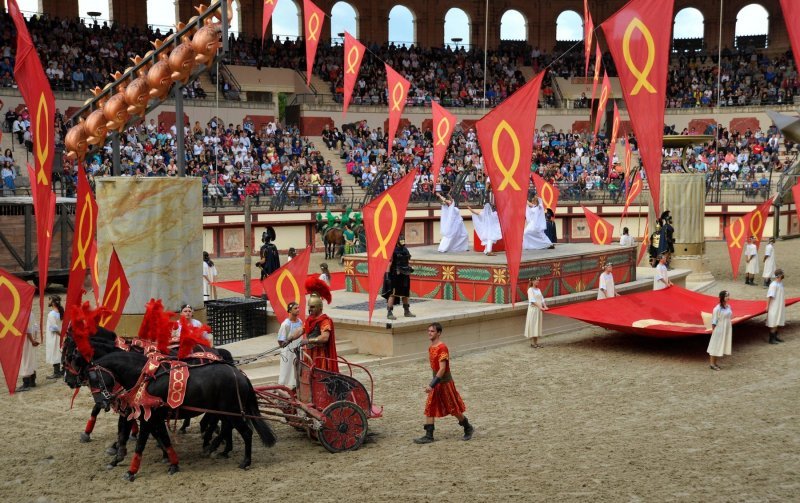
<point x="473" y="277"/>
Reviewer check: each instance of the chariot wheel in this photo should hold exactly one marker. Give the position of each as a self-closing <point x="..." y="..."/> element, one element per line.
<point x="345" y="427"/>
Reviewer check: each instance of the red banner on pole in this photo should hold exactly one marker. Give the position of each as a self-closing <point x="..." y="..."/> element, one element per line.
<point x="588" y="35"/>
<point x="547" y="191"/>
<point x="82" y="241"/>
<point x="791" y="13"/>
<point x="443" y="124"/>
<point x="269" y="8"/>
<point x="288" y="284"/>
<point x="605" y="94"/>
<point x="313" y="17"/>
<point x="612" y="146"/>
<point x="758" y="219"/>
<point x="506" y="138"/>
<point x="398" y="92"/>
<point x="632" y="190"/>
<point x="353" y="56"/>
<point x="645" y="242"/>
<point x="628" y="160"/>
<point x="639" y="38"/>
<point x="796" y="196"/>
<point x="598" y="62"/>
<point x="117" y="292"/>
<point x="16" y="300"/>
<point x="736" y="239"/>
<point x="383" y="222"/>
<point x="600" y="230"/>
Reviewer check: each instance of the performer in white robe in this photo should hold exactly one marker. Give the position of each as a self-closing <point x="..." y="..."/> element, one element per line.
<point x="53" y="336"/>
<point x="487" y="225"/>
<point x="769" y="262"/>
<point x="722" y="333"/>
<point x="534" y="317"/>
<point x="535" y="225"/>
<point x="661" y="279"/>
<point x="27" y="366"/>
<point x="452" y="228"/>
<point x="606" y="288"/>
<point x="751" y="260"/>
<point x="776" y="307"/>
<point x="289" y="338"/>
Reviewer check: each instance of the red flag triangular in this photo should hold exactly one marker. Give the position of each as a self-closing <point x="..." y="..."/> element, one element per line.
<point x="588" y="35"/>
<point x="288" y="284"/>
<point x="313" y="18"/>
<point x="353" y="56"/>
<point x="268" y="8"/>
<point x="547" y="191"/>
<point x="736" y="239"/>
<point x="398" y="92"/>
<point x="791" y="13"/>
<point x="16" y="300"/>
<point x="645" y="242"/>
<point x="757" y="220"/>
<point x="600" y="230"/>
<point x="605" y="94"/>
<point x="443" y="124"/>
<point x="612" y="145"/>
<point x="116" y="294"/>
<point x="632" y="190"/>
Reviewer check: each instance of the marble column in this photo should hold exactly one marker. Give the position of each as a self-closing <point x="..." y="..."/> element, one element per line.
<point x="156" y="226"/>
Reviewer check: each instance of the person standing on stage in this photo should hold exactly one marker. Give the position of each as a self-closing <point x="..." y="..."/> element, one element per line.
<point x="550" y="230"/>
<point x="751" y="260"/>
<point x="534" y="237"/>
<point x="269" y="260"/>
<point x="722" y="333"/>
<point x="53" y="336"/>
<point x="626" y="239"/>
<point x="533" y="319"/>
<point x="769" y="262"/>
<point x="487" y="225"/>
<point x="661" y="279"/>
<point x="289" y="339"/>
<point x="451" y="227"/>
<point x="607" y="289"/>
<point x="443" y="398"/>
<point x="776" y="307"/>
<point x="398" y="282"/>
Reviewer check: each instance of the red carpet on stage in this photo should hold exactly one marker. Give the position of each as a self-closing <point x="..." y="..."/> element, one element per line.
<point x="256" y="290"/>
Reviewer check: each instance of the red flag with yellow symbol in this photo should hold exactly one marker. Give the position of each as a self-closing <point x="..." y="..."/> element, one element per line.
<point x="796" y="196"/>
<point x="117" y="292"/>
<point x="547" y="191"/>
<point x="645" y="242"/>
<point x="588" y="35"/>
<point x="633" y="187"/>
<point x="506" y="138"/>
<point x="600" y="230"/>
<point x="288" y="284"/>
<point x="313" y="17"/>
<point x="736" y="239"/>
<point x="639" y="38"/>
<point x="383" y="221"/>
<point x="398" y="92"/>
<point x="791" y="13"/>
<point x="605" y="94"/>
<point x="612" y="146"/>
<point x="269" y="8"/>
<point x="758" y="219"/>
<point x="83" y="239"/>
<point x="353" y="56"/>
<point x="94" y="272"/>
<point x="443" y="124"/>
<point x="598" y="62"/>
<point x="628" y="160"/>
<point x="16" y="301"/>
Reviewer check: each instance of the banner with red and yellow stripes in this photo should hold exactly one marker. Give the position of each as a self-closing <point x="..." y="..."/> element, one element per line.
<point x="288" y="284"/>
<point x="443" y="124"/>
<point x="313" y="18"/>
<point x="398" y="88"/>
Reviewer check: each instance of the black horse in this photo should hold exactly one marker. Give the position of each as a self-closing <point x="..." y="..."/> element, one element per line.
<point x="216" y="387"/>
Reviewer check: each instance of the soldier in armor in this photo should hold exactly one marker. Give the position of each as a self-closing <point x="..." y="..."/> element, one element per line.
<point x="398" y="280"/>
<point x="318" y="328"/>
<point x="269" y="260"/>
<point x="655" y="241"/>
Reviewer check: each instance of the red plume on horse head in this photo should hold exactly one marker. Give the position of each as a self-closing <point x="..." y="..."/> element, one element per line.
<point x="83" y="325"/>
<point x="314" y="285"/>
<point x="157" y="325"/>
<point x="191" y="336"/>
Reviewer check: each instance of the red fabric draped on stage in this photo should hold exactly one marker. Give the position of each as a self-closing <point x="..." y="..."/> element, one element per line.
<point x="673" y="312"/>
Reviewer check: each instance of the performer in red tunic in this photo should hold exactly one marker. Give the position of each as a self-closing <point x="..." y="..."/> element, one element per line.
<point x="443" y="398"/>
<point x="318" y="327"/>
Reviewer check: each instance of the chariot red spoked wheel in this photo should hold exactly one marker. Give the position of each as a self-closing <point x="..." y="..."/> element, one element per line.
<point x="345" y="427"/>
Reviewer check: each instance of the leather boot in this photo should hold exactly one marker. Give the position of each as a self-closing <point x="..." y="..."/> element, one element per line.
<point x="407" y="312"/>
<point x="26" y="385"/>
<point x="468" y="429"/>
<point x="428" y="437"/>
<point x="772" y="338"/>
<point x="777" y="339"/>
<point x="32" y="380"/>
<point x="56" y="372"/>
<point x="390" y="315"/>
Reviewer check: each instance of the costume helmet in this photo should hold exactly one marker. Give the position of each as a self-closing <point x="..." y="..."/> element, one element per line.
<point x="317" y="290"/>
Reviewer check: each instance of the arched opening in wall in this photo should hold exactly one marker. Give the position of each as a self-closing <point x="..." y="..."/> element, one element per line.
<point x="344" y="18"/>
<point x="688" y="30"/>
<point x="513" y="27"/>
<point x="752" y="27"/>
<point x="162" y="15"/>
<point x="27" y="7"/>
<point x="286" y="20"/>
<point x="569" y="30"/>
<point x="402" y="26"/>
<point x="94" y="12"/>
<point x="457" y="30"/>
<point x="548" y="128"/>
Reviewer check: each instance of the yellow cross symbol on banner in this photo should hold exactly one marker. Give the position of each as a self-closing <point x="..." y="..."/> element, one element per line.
<point x="632" y="193"/>
<point x="736" y="239"/>
<point x="547" y="195"/>
<point x="440" y="135"/>
<point x="84" y="244"/>
<point x="601" y="225"/>
<point x="508" y="173"/>
<point x="397" y="99"/>
<point x="313" y="26"/>
<point x="42" y="139"/>
<point x="7" y="323"/>
<point x="116" y="290"/>
<point x="351" y="61"/>
<point x="755" y="230"/>
<point x="383" y="240"/>
<point x="286" y="275"/>
<point x="641" y="75"/>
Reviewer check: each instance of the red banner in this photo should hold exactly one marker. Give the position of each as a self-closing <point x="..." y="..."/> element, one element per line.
<point x="645" y="242"/>
<point x="628" y="160"/>
<point x="117" y="292"/>
<point x="796" y="197"/>
<point x="588" y="35"/>
<point x="600" y="230"/>
<point x="598" y="62"/>
<point x="633" y="187"/>
<point x="605" y="94"/>
<point x="82" y="241"/>
<point x="612" y="146"/>
<point x="443" y="124"/>
<point x="639" y="38"/>
<point x="288" y="284"/>
<point x="94" y="273"/>
<point x="547" y="191"/>
<point x="313" y="17"/>
<point x="16" y="300"/>
<point x="791" y="13"/>
<point x="736" y="239"/>
<point x="269" y="7"/>
<point x="758" y="219"/>
<point x="398" y="92"/>
<point x="353" y="56"/>
<point x="506" y="138"/>
<point x="383" y="222"/>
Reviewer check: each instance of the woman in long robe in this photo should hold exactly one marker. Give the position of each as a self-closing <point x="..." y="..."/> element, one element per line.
<point x="722" y="333"/>
<point x="452" y="228"/>
<point x="535" y="225"/>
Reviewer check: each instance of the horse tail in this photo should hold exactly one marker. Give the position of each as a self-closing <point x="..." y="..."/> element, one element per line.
<point x="263" y="429"/>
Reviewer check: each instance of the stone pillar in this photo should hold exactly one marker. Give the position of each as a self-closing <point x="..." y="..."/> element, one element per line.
<point x="684" y="195"/>
<point x="156" y="227"/>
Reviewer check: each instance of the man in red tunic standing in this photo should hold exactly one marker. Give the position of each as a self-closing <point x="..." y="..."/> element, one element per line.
<point x="318" y="327"/>
<point x="443" y="398"/>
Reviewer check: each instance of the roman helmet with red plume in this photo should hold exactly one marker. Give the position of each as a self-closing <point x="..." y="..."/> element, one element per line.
<point x="157" y="325"/>
<point x="191" y="336"/>
<point x="317" y="289"/>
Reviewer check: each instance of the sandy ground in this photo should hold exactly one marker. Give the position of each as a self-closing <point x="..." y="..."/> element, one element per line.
<point x="593" y="416"/>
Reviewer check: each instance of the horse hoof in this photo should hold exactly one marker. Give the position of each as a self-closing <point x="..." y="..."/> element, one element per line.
<point x="111" y="451"/>
<point x="245" y="465"/>
<point x="164" y="460"/>
<point x="110" y="466"/>
<point x="173" y="469"/>
<point x="85" y="438"/>
<point x="130" y="477"/>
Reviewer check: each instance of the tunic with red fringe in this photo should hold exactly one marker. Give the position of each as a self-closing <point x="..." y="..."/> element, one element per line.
<point x="323" y="356"/>
<point x="444" y="400"/>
